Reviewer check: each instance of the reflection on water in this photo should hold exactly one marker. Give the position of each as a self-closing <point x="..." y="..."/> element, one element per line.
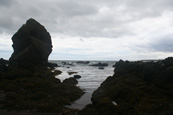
<point x="80" y="103"/>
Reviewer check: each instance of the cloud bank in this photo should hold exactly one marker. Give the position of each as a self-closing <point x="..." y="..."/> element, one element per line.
<point x="92" y="29"/>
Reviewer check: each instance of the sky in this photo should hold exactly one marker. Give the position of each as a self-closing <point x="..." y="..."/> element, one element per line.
<point x="94" y="29"/>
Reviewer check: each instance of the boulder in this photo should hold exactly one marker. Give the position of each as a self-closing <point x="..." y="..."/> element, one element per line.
<point x="70" y="81"/>
<point x="101" y="67"/>
<point x="67" y="63"/>
<point x="83" y="62"/>
<point x="100" y="64"/>
<point x="70" y="73"/>
<point x="77" y="76"/>
<point x="57" y="72"/>
<point x="31" y="43"/>
<point x="97" y="96"/>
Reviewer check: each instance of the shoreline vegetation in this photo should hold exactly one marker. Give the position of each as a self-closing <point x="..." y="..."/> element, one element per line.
<point x="28" y="85"/>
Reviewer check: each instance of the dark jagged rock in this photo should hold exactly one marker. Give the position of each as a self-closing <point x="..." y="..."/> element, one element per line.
<point x="28" y="82"/>
<point x="3" y="62"/>
<point x="137" y="88"/>
<point x="83" y="62"/>
<point x="3" y="65"/>
<point x="101" y="67"/>
<point x="77" y="76"/>
<point x="71" y="81"/>
<point x="70" y="73"/>
<point x="31" y="43"/>
<point x="100" y="64"/>
<point x="67" y="63"/>
<point x="23" y="89"/>
<point x="57" y="72"/>
<point x="52" y="65"/>
<point x="97" y="96"/>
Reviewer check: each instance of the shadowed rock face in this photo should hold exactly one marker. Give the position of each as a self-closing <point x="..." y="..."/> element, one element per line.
<point x="31" y="43"/>
<point x="138" y="88"/>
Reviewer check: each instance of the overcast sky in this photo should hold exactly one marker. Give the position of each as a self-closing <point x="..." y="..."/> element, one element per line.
<point x="94" y="29"/>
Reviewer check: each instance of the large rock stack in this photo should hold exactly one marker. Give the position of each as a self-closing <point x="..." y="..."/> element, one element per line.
<point x="31" y="43"/>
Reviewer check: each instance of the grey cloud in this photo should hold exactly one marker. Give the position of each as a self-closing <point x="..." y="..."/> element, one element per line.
<point x="122" y="19"/>
<point x="5" y="3"/>
<point x="161" y="44"/>
<point x="55" y="15"/>
<point x="164" y="44"/>
<point x="81" y="18"/>
<point x="137" y="10"/>
<point x="76" y="8"/>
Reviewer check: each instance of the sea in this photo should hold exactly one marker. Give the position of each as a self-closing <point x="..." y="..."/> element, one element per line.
<point x="91" y="77"/>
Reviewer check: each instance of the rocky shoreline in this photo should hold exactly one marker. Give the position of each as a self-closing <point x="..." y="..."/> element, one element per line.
<point x="136" y="88"/>
<point x="27" y="81"/>
<point x="28" y="85"/>
<point x="35" y="89"/>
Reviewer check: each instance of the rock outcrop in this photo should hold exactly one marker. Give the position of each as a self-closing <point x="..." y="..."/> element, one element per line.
<point x="136" y="88"/>
<point x="77" y="76"/>
<point x="28" y="84"/>
<point x="71" y="81"/>
<point x="31" y="43"/>
<point x="100" y="64"/>
<point x="83" y="62"/>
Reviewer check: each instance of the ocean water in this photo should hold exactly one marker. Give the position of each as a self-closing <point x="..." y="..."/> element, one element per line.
<point x="91" y="78"/>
